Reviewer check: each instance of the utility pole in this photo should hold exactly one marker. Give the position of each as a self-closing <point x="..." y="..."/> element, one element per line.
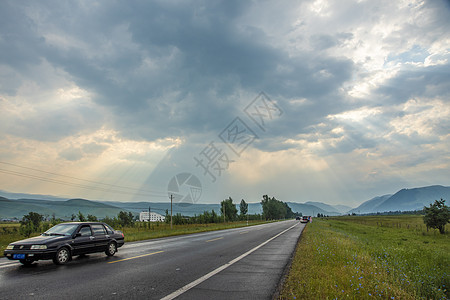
<point x="224" y="213"/>
<point x="171" y="198"/>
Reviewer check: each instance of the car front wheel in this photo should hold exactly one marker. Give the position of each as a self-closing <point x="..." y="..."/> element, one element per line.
<point x="62" y="256"/>
<point x="112" y="249"/>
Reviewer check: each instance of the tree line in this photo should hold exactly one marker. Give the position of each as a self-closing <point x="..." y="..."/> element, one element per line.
<point x="34" y="222"/>
<point x="228" y="213"/>
<point x="272" y="208"/>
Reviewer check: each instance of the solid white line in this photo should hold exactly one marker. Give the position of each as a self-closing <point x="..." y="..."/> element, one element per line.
<point x="8" y="265"/>
<point x="221" y="268"/>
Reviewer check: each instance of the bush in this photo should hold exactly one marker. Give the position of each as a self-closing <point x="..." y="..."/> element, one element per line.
<point x="437" y="215"/>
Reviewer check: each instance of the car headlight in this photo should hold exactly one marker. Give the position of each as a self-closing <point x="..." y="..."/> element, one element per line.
<point x="9" y="247"/>
<point x="38" y="247"/>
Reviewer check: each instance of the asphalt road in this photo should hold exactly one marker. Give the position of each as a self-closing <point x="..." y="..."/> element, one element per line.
<point x="243" y="263"/>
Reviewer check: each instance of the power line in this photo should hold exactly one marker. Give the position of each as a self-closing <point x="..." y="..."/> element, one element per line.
<point x="85" y="180"/>
<point x="19" y="174"/>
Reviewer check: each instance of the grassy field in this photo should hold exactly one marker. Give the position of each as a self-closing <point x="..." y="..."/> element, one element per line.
<point x="9" y="232"/>
<point x="370" y="257"/>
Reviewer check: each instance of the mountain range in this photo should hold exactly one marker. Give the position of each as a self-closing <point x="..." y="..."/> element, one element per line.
<point x="404" y="200"/>
<point x="62" y="208"/>
<point x="17" y="205"/>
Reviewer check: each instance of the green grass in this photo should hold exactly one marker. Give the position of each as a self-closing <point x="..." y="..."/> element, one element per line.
<point x="9" y="232"/>
<point x="374" y="257"/>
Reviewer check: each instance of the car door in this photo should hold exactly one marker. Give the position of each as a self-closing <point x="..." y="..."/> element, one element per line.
<point x="101" y="237"/>
<point x="84" y="241"/>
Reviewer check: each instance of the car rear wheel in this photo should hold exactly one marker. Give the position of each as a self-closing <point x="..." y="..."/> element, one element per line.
<point x="111" y="249"/>
<point x="62" y="256"/>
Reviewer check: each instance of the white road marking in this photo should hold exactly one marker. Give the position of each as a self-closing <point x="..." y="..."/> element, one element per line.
<point x="221" y="268"/>
<point x="8" y="264"/>
<point x="134" y="257"/>
<point x="219" y="238"/>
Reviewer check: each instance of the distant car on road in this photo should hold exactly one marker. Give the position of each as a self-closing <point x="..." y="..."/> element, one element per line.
<point x="65" y="240"/>
<point x="305" y="219"/>
<point x="298" y="218"/>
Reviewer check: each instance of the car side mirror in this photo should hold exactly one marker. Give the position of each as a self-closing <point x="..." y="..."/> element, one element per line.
<point x="77" y="235"/>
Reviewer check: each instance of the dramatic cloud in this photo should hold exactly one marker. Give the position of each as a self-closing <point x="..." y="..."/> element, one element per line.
<point x="130" y="93"/>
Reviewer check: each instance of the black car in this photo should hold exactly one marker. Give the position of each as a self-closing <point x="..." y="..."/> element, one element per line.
<point x="65" y="240"/>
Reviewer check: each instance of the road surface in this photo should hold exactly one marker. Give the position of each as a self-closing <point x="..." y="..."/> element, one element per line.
<point x="242" y="263"/>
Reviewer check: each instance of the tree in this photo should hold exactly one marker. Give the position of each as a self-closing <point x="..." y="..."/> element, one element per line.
<point x="92" y="218"/>
<point x="81" y="217"/>
<point x="437" y="215"/>
<point x="125" y="219"/>
<point x="30" y="223"/>
<point x="230" y="209"/>
<point x="274" y="209"/>
<point x="32" y="218"/>
<point x="73" y="217"/>
<point x="167" y="218"/>
<point x="113" y="222"/>
<point x="214" y="217"/>
<point x="243" y="207"/>
<point x="53" y="220"/>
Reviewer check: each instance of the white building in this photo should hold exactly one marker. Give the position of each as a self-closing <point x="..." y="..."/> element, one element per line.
<point x="154" y="217"/>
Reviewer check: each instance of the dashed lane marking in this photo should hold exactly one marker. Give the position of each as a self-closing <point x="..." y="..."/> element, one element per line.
<point x="134" y="257"/>
<point x="214" y="239"/>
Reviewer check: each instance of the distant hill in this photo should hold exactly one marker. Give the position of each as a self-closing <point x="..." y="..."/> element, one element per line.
<point x="311" y="210"/>
<point x="9" y="195"/>
<point x="414" y="199"/>
<point x="323" y="206"/>
<point x="343" y="209"/>
<point x="62" y="209"/>
<point x="17" y="208"/>
<point x="405" y="200"/>
<point x="370" y="205"/>
<point x="14" y="209"/>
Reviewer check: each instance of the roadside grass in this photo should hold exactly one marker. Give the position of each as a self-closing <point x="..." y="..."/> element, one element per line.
<point x="9" y="232"/>
<point x="367" y="257"/>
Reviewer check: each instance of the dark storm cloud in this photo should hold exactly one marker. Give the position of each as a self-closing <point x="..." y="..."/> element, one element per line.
<point x="416" y="82"/>
<point x="182" y="68"/>
<point x="18" y="37"/>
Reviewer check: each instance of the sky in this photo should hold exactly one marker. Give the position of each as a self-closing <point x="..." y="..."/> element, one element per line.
<point x="333" y="101"/>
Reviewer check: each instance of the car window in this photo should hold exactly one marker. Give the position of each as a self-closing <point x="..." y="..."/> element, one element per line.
<point x="62" y="229"/>
<point x="109" y="230"/>
<point x="85" y="231"/>
<point x="98" y="229"/>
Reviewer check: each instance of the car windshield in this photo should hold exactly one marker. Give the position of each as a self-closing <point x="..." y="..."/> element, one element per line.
<point x="62" y="229"/>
